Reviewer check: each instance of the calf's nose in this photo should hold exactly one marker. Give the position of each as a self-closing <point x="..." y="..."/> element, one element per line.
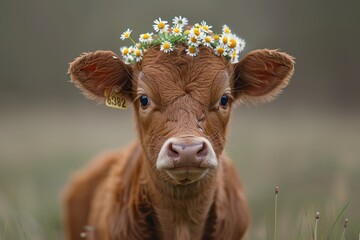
<point x="187" y="153"/>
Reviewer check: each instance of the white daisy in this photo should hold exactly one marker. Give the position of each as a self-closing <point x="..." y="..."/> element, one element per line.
<point x="180" y="21"/>
<point x="224" y="39"/>
<point x="226" y="29"/>
<point x="234" y="56"/>
<point x="146" y="38"/>
<point x="166" y="47"/>
<point x="125" y="51"/>
<point x="126" y="34"/>
<point x="216" y="37"/>
<point x="138" y="55"/>
<point x="132" y="49"/>
<point x="129" y="59"/>
<point x="233" y="41"/>
<point x="207" y="41"/>
<point x="160" y="25"/>
<point x="177" y="30"/>
<point x="193" y="40"/>
<point x="205" y="27"/>
<point x="221" y="50"/>
<point x="192" y="51"/>
<point x="241" y="45"/>
<point x="137" y="45"/>
<point x="187" y="32"/>
<point x="195" y="31"/>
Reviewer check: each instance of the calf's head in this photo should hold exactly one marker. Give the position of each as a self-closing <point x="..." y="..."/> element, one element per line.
<point x="182" y="104"/>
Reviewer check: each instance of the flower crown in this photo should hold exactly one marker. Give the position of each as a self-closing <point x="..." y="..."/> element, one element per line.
<point x="226" y="44"/>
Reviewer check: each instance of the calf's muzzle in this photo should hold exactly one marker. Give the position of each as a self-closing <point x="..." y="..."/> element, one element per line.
<point x="186" y="159"/>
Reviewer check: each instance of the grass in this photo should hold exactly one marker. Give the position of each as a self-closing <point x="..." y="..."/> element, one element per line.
<point x="313" y="157"/>
<point x="313" y="233"/>
<point x="20" y="226"/>
<point x="275" y="211"/>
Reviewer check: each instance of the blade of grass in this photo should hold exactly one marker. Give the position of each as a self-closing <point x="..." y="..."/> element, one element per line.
<point x="21" y="230"/>
<point x="309" y="225"/>
<point x="275" y="212"/>
<point x="300" y="228"/>
<point x="267" y="228"/>
<point x="337" y="219"/>
<point x="5" y="228"/>
<point x="298" y="231"/>
<point x="309" y="228"/>
<point x="317" y="217"/>
<point x="344" y="230"/>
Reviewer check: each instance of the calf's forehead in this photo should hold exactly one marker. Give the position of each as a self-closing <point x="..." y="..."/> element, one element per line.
<point x="166" y="77"/>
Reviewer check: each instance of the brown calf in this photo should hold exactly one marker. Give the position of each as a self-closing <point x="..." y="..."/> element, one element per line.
<point x="175" y="182"/>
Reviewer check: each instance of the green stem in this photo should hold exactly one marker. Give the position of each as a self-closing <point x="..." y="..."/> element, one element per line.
<point x="316" y="226"/>
<point x="337" y="219"/>
<point x="275" y="214"/>
<point x="343" y="235"/>
<point x="132" y="40"/>
<point x="5" y="228"/>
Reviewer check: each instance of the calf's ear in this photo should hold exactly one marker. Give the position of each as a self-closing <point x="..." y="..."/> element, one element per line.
<point x="96" y="72"/>
<point x="261" y="75"/>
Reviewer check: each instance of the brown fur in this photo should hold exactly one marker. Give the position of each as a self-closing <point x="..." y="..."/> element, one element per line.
<point x="123" y="195"/>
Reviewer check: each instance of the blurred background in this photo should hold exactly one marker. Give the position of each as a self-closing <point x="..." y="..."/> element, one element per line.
<point x="307" y="141"/>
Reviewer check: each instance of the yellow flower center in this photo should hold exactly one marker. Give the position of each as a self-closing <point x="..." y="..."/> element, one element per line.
<point x="220" y="50"/>
<point x="225" y="39"/>
<point x="137" y="53"/>
<point x="208" y="39"/>
<point x="161" y="25"/>
<point x="125" y="51"/>
<point x="234" y="55"/>
<point x="176" y="30"/>
<point x="192" y="49"/>
<point x="127" y="34"/>
<point x="187" y="32"/>
<point x="232" y="43"/>
<point x="166" y="45"/>
<point x="197" y="31"/>
<point x="138" y="45"/>
<point x="227" y="30"/>
<point x="216" y="37"/>
<point x="193" y="39"/>
<point x="146" y="36"/>
<point x="206" y="28"/>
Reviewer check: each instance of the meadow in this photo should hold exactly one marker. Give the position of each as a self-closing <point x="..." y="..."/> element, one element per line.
<point x="312" y="156"/>
<point x="307" y="142"/>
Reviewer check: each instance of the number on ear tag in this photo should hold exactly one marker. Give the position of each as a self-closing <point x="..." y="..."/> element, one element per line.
<point x="115" y="100"/>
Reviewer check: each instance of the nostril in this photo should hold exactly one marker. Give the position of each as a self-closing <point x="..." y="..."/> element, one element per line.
<point x="203" y="151"/>
<point x="172" y="153"/>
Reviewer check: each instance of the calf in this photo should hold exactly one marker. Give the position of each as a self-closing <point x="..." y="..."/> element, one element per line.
<point x="175" y="181"/>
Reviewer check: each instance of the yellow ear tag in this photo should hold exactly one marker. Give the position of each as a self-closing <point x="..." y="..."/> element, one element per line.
<point x="115" y="100"/>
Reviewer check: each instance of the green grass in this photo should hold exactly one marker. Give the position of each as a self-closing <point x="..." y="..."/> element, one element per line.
<point x="313" y="232"/>
<point x="313" y="158"/>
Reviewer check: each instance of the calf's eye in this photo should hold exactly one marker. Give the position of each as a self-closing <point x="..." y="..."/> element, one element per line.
<point x="224" y="100"/>
<point x="144" y="101"/>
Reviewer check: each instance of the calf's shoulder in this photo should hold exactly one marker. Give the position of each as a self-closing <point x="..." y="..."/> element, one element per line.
<point x="79" y="194"/>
